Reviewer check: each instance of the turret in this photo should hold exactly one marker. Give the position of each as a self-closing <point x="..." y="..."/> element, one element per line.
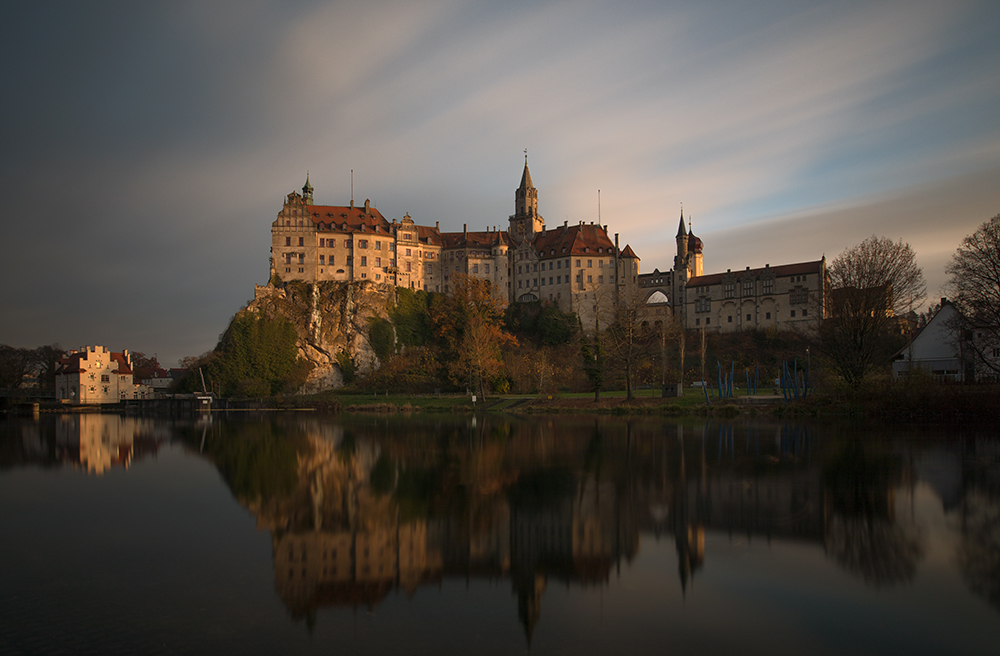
<point x="307" y="191"/>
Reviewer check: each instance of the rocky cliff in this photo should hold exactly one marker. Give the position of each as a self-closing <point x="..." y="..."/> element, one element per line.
<point x="329" y="318"/>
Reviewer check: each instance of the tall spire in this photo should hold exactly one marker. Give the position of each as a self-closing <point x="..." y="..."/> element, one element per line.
<point x="307" y="191"/>
<point x="526" y="176"/>
<point x="526" y="196"/>
<point x="681" y="232"/>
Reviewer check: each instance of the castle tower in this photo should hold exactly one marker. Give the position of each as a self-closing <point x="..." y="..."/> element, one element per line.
<point x="307" y="191"/>
<point x="680" y="260"/>
<point x="526" y="221"/>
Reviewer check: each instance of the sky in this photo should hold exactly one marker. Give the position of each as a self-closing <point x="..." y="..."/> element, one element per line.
<point x="145" y="148"/>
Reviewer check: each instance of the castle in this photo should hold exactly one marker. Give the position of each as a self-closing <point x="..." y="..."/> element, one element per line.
<point x="578" y="268"/>
<point x="575" y="267"/>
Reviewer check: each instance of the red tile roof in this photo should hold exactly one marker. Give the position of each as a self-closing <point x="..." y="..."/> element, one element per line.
<point x="428" y="235"/>
<point x="334" y="217"/>
<point x="575" y="239"/>
<point x="797" y="269"/>
<point x="628" y="252"/>
<point x="487" y="239"/>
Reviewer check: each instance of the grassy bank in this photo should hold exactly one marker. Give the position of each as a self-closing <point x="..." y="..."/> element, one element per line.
<point x="878" y="402"/>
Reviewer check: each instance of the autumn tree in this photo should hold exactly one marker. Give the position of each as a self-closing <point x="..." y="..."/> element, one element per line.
<point x="974" y="288"/>
<point x="872" y="284"/>
<point x="468" y="325"/>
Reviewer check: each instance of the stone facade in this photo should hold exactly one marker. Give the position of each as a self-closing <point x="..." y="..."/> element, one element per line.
<point x="786" y="297"/>
<point x="578" y="268"/>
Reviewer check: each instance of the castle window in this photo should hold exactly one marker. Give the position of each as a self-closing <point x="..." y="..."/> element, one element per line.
<point x="362" y="243"/>
<point x="767" y="315"/>
<point x="748" y="287"/>
<point x="748" y="317"/>
<point x="322" y="259"/>
<point x="407" y="266"/>
<point x="301" y="243"/>
<point x="793" y="314"/>
<point x="378" y="245"/>
<point x="550" y="280"/>
<point x="729" y="290"/>
<point x="590" y="263"/>
<point x="288" y="241"/>
<point x="350" y="260"/>
<point x="487" y="268"/>
<point x="475" y="268"/>
<point x="729" y="319"/>
<point x="348" y="244"/>
<point x="590" y="278"/>
<point x="578" y="263"/>
<point x="805" y="312"/>
<point x="302" y="258"/>
<point x="697" y="322"/>
<point x="378" y="261"/>
<point x="708" y="320"/>
<point x="600" y="263"/>
<point x="600" y="278"/>
<point x="768" y="286"/>
<point x="407" y="252"/>
<point x="798" y="295"/>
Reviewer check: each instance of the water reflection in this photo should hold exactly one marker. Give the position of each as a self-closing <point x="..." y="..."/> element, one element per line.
<point x="360" y="509"/>
<point x="549" y="511"/>
<point x="94" y="443"/>
<point x="979" y="549"/>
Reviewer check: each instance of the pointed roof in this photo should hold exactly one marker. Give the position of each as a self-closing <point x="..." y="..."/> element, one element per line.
<point x="526" y="177"/>
<point x="307" y="186"/>
<point x="681" y="232"/>
<point x="628" y="252"/>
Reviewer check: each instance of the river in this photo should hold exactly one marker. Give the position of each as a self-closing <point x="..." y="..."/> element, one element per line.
<point x="440" y="534"/>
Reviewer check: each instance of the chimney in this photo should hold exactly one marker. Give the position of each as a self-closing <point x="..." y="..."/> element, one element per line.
<point x="437" y="226"/>
<point x="565" y="224"/>
<point x="616" y="242"/>
<point x="465" y="230"/>
<point x="368" y="207"/>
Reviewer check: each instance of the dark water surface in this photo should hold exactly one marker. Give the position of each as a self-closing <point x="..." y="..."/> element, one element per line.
<point x="442" y="535"/>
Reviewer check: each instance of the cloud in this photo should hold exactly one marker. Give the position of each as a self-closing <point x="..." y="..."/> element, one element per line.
<point x="146" y="150"/>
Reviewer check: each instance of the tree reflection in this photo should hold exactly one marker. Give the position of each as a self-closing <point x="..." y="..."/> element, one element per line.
<point x="979" y="549"/>
<point x="862" y="534"/>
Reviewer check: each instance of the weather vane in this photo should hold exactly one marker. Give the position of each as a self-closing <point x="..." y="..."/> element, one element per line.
<point x="525" y="156"/>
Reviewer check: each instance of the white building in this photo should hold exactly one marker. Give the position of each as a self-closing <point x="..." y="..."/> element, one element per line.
<point x="938" y="349"/>
<point x="95" y="375"/>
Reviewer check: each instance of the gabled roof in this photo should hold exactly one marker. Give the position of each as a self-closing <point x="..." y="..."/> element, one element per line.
<point x="576" y="239"/>
<point x="75" y="363"/>
<point x="797" y="269"/>
<point x="334" y="217"/>
<point x="429" y="235"/>
<point x="487" y="239"/>
<point x="628" y="252"/>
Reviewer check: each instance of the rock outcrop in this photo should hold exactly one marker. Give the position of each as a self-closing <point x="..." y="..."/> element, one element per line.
<point x="330" y="318"/>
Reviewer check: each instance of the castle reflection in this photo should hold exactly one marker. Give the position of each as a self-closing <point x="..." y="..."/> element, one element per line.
<point x="383" y="505"/>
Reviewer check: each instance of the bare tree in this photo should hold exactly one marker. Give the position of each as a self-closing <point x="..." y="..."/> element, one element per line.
<point x="974" y="288"/>
<point x="628" y="339"/>
<point x="872" y="284"/>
